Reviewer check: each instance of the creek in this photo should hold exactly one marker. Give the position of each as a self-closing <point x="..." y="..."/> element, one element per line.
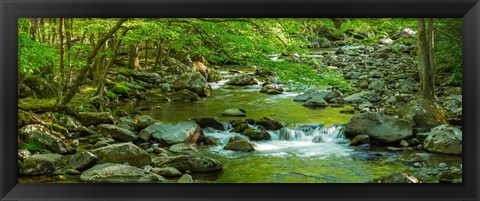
<point x="294" y="159"/>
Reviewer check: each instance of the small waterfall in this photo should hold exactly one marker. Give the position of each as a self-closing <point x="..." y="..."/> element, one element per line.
<point x="227" y="126"/>
<point x="291" y="134"/>
<point x="330" y="134"/>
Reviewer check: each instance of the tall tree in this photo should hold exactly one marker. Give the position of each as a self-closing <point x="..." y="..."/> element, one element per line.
<point x="426" y="64"/>
<point x="83" y="73"/>
<point x="61" y="79"/>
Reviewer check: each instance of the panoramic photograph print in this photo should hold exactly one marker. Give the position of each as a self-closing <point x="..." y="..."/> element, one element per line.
<point x="239" y="100"/>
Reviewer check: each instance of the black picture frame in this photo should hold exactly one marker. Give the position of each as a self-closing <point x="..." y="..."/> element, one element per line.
<point x="11" y="10"/>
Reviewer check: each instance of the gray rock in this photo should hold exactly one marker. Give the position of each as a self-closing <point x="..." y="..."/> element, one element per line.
<point x="50" y="142"/>
<point x="82" y="160"/>
<point x="36" y="166"/>
<point x="95" y="118"/>
<point x="316" y="102"/>
<point x="118" y="173"/>
<point x="318" y="139"/>
<point x="193" y="163"/>
<point x="377" y="85"/>
<point x="148" y="77"/>
<point x="167" y="171"/>
<point x="238" y="143"/>
<point x="41" y="164"/>
<point x="379" y="127"/>
<point x="183" y="148"/>
<point x="270" y="124"/>
<point x="117" y="133"/>
<point x="205" y="122"/>
<point x="23" y="154"/>
<point x="425" y="114"/>
<point x="233" y="112"/>
<point x="186" y="178"/>
<point x="360" y="139"/>
<point x="184" y="95"/>
<point x="194" y="82"/>
<point x="243" y="80"/>
<point x="144" y="121"/>
<point x="257" y="135"/>
<point x="404" y="143"/>
<point x="121" y="153"/>
<point x="444" y="139"/>
<point x="184" y="132"/>
<point x="396" y="178"/>
<point x="127" y="122"/>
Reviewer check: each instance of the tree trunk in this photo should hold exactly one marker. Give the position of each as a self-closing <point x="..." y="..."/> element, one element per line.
<point x="425" y="63"/>
<point x="133" y="61"/>
<point x="83" y="73"/>
<point x="62" y="62"/>
<point x="146" y="53"/>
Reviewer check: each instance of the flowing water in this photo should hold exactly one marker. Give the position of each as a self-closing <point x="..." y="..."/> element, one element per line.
<point x="291" y="156"/>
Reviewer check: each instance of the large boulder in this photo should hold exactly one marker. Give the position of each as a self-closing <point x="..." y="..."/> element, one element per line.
<point x="41" y="164"/>
<point x="193" y="163"/>
<point x="242" y="80"/>
<point x="444" y="139"/>
<point x="194" y="82"/>
<point x="37" y="133"/>
<point x="121" y="153"/>
<point x="379" y="127"/>
<point x="95" y="118"/>
<point x="43" y="88"/>
<point x="184" y="132"/>
<point x="118" y="173"/>
<point x="205" y="122"/>
<point x="147" y="77"/>
<point x="238" y="143"/>
<point x="425" y="114"/>
<point x="82" y="160"/>
<point x="117" y="133"/>
<point x="270" y="124"/>
<point x="167" y="171"/>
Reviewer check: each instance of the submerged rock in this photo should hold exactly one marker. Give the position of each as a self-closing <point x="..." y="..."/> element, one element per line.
<point x="444" y="139"/>
<point x="118" y="173"/>
<point x="233" y="112"/>
<point x="379" y="127"/>
<point x="193" y="163"/>
<point x="121" y="153"/>
<point x="238" y="143"/>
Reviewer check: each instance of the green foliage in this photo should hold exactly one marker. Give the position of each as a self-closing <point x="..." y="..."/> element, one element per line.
<point x="300" y="77"/>
<point x="32" y="146"/>
<point x="448" y="48"/>
<point x="110" y="95"/>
